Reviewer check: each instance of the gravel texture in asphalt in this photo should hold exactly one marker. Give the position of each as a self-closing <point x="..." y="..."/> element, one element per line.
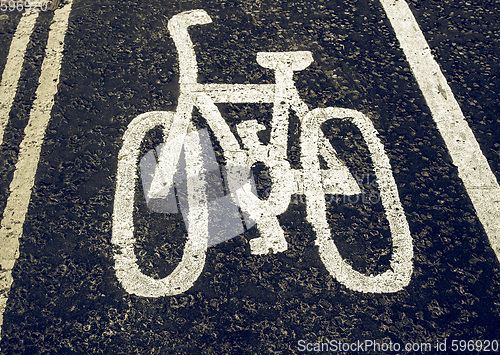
<point x="119" y="61"/>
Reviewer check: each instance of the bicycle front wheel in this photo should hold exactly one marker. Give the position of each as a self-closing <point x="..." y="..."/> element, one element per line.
<point x="132" y="279"/>
<point x="392" y="280"/>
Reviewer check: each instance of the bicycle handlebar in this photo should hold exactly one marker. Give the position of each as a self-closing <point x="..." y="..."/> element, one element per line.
<point x="178" y="28"/>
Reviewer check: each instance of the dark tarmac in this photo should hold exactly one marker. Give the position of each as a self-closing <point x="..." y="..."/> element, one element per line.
<point x="119" y="61"/>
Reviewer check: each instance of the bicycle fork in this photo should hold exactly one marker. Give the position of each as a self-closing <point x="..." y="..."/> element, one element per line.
<point x="283" y="95"/>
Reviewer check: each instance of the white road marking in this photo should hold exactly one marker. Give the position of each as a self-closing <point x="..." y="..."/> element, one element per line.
<point x="178" y="28"/>
<point x="285" y="182"/>
<point x="473" y="168"/>
<point x="127" y="270"/>
<point x="264" y="212"/>
<point x="337" y="179"/>
<point x="238" y="93"/>
<point x="224" y="219"/>
<point x="13" y="66"/>
<point x="11" y="228"/>
<point x="399" y="276"/>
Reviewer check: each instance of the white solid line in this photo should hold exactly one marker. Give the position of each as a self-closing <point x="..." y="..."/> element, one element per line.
<point x="13" y="66"/>
<point x="11" y="227"/>
<point x="473" y="168"/>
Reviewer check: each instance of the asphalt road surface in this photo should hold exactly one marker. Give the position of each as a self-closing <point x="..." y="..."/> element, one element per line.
<point x="119" y="61"/>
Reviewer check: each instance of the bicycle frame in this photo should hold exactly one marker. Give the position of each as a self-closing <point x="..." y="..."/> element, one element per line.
<point x="285" y="181"/>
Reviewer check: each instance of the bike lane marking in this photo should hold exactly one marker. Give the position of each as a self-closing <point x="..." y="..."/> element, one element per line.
<point x="11" y="227"/>
<point x="193" y="258"/>
<point x="286" y="98"/>
<point x="13" y="66"/>
<point x="124" y="318"/>
<point x="473" y="168"/>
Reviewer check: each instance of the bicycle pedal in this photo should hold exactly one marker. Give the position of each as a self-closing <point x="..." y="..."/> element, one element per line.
<point x="265" y="245"/>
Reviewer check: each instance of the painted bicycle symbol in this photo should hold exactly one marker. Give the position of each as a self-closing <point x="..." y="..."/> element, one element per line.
<point x="311" y="180"/>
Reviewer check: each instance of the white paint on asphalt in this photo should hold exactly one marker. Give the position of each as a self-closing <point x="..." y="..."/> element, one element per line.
<point x="237" y="93"/>
<point x="473" y="168"/>
<point x="11" y="228"/>
<point x="337" y="179"/>
<point x="13" y="66"/>
<point x="392" y="280"/>
<point x="178" y="27"/>
<point x="127" y="270"/>
<point x="264" y="212"/>
<point x="310" y="181"/>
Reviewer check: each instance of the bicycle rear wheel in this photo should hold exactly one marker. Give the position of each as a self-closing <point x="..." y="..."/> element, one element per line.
<point x="132" y="279"/>
<point x="401" y="262"/>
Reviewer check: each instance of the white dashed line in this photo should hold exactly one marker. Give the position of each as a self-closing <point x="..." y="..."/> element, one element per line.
<point x="11" y="228"/>
<point x="13" y="66"/>
<point x="473" y="168"/>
